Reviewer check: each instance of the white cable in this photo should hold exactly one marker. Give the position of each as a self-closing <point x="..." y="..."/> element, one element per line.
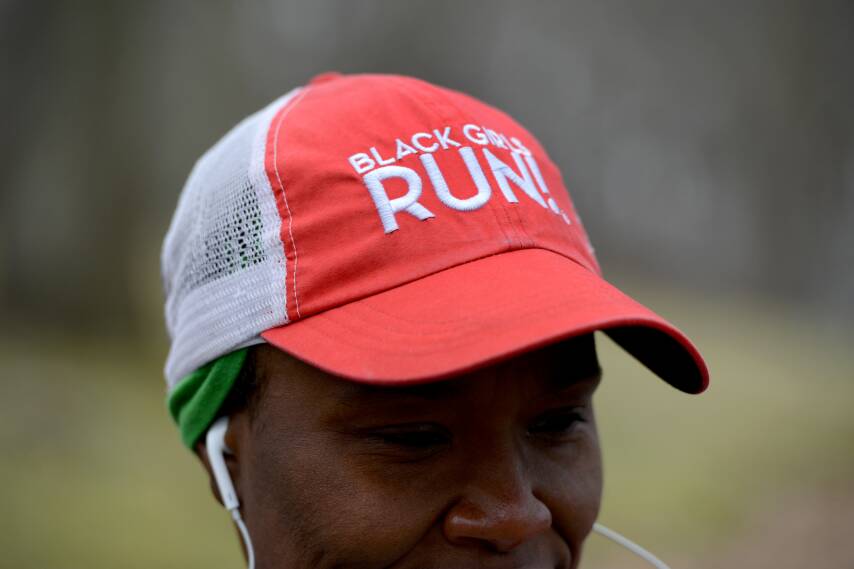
<point x="244" y="533"/>
<point x="630" y="545"/>
<point x="217" y="449"/>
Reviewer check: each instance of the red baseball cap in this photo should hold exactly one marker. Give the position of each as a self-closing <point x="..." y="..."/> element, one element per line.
<point x="390" y="231"/>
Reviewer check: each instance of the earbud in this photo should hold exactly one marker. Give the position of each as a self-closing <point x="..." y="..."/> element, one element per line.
<point x="215" y="444"/>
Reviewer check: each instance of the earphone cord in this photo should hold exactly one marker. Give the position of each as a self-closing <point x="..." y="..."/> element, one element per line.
<point x="630" y="545"/>
<point x="244" y="533"/>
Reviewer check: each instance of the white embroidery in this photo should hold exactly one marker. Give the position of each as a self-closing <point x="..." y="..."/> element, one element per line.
<point x="445" y="139"/>
<point x="502" y="172"/>
<point x="519" y="147"/>
<point x="418" y="136"/>
<point x="361" y="162"/>
<point x="475" y="134"/>
<point x="408" y="203"/>
<point x="404" y="149"/>
<point x="538" y="176"/>
<point x="496" y="139"/>
<point x="364" y="162"/>
<point x="374" y="169"/>
<point x="380" y="160"/>
<point x="484" y="192"/>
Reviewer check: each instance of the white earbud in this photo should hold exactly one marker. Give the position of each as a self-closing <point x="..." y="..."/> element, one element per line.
<point x="215" y="444"/>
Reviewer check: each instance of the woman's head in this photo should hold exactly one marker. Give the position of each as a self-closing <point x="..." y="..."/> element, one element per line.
<point x="416" y="252"/>
<point x="498" y="467"/>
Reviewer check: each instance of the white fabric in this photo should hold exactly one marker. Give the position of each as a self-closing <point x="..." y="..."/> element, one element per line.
<point x="224" y="283"/>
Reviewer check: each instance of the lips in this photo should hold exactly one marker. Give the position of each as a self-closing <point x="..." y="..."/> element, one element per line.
<point x="535" y="556"/>
<point x="482" y="563"/>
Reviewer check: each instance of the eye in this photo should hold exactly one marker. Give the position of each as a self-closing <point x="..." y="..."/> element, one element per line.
<point x="558" y="425"/>
<point x="426" y="436"/>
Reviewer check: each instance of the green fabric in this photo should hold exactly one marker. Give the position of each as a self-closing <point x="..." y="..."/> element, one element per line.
<point x="196" y="400"/>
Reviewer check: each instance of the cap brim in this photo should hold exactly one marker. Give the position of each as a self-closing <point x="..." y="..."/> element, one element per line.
<point x="482" y="312"/>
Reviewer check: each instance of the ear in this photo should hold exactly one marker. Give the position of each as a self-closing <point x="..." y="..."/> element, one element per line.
<point x="235" y="442"/>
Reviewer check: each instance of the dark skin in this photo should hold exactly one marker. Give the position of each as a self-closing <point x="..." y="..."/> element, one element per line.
<point x="496" y="468"/>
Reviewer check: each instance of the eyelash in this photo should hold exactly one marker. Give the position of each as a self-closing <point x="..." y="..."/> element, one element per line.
<point x="554" y="426"/>
<point x="559" y="424"/>
<point x="415" y="437"/>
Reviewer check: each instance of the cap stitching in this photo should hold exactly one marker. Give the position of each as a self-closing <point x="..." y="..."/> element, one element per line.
<point x="285" y="196"/>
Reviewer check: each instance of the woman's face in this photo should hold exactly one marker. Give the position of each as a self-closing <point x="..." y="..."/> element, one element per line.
<point x="497" y="468"/>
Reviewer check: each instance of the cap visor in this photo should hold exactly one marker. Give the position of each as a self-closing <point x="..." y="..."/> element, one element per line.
<point x="482" y="312"/>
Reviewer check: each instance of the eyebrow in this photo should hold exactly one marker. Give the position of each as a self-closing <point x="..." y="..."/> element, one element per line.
<point x="563" y="382"/>
<point x="436" y="391"/>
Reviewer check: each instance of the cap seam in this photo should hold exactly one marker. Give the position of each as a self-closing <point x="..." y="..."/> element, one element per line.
<point x="282" y="114"/>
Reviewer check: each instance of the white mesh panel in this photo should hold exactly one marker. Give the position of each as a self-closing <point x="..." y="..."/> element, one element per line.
<point x="223" y="261"/>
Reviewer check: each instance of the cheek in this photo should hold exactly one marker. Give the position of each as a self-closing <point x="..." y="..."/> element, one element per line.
<point x="573" y="489"/>
<point x="316" y="506"/>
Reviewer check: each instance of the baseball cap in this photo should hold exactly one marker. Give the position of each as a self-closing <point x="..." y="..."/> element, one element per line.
<point x="390" y="231"/>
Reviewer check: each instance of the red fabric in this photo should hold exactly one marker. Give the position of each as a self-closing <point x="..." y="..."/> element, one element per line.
<point x="434" y="296"/>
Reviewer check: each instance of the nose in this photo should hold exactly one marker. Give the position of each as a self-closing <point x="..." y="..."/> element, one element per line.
<point x="499" y="510"/>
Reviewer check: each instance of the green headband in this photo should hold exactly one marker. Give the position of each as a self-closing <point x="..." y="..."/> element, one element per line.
<point x="196" y="400"/>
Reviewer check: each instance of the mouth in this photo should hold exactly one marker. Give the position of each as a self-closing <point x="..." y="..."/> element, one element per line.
<point x="481" y="562"/>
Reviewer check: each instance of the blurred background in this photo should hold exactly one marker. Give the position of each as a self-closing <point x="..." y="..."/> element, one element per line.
<point x="709" y="147"/>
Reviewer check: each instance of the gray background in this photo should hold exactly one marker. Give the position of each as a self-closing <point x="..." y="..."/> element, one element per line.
<point x="707" y="143"/>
